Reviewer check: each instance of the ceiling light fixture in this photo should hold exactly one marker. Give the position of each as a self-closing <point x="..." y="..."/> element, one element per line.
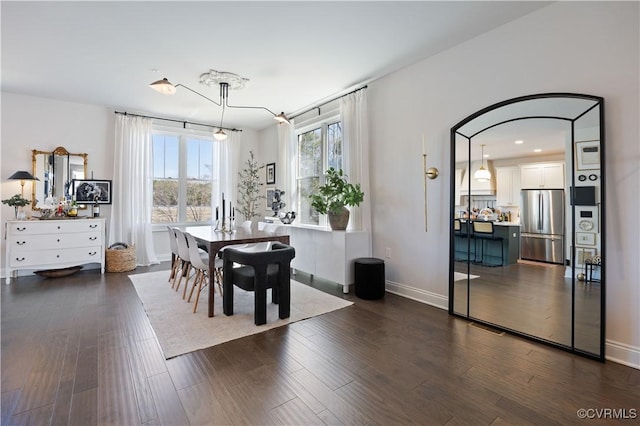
<point x="482" y="174"/>
<point x="226" y="81"/>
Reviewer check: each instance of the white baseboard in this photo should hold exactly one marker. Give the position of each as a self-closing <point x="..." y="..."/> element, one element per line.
<point x="617" y="352"/>
<point x="433" y="299"/>
<point x="622" y="353"/>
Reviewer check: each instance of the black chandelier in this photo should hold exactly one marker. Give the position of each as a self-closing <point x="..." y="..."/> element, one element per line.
<point x="225" y="80"/>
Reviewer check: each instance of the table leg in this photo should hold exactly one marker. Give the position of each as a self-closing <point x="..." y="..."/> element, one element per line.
<point x="212" y="267"/>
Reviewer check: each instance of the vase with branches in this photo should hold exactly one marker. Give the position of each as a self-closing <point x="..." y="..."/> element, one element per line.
<point x="249" y="188"/>
<point x="17" y="202"/>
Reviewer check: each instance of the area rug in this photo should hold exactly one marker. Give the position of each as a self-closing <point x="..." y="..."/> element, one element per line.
<point x="180" y="331"/>
<point x="458" y="276"/>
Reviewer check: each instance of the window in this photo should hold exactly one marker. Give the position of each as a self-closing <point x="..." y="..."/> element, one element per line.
<point x="183" y="177"/>
<point x="319" y="147"/>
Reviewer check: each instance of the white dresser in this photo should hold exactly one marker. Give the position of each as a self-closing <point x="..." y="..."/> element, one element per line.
<point x="54" y="244"/>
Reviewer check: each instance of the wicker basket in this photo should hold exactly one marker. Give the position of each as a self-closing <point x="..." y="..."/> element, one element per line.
<point x="121" y="260"/>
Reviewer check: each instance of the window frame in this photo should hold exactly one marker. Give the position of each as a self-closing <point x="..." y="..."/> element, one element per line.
<point x="321" y="122"/>
<point x="183" y="136"/>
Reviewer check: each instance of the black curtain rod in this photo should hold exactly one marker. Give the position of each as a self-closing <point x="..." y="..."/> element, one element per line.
<point x="184" y="123"/>
<point x="326" y="102"/>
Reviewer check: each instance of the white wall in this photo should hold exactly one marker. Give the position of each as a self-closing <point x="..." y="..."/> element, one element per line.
<point x="38" y="123"/>
<point x="587" y="48"/>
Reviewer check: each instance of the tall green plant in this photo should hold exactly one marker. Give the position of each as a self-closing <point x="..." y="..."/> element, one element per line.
<point x="249" y="188"/>
<point x="336" y="193"/>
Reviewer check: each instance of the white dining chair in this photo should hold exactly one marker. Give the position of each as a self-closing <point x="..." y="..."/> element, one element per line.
<point x="185" y="261"/>
<point x="173" y="244"/>
<point x="200" y="262"/>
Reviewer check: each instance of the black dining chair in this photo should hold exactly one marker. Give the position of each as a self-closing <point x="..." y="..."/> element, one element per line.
<point x="258" y="271"/>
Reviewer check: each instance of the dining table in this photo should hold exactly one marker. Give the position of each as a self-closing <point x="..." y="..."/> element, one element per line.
<point x="214" y="239"/>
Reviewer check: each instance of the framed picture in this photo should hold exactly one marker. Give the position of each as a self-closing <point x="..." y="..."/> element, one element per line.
<point x="271" y="195"/>
<point x="586" y="238"/>
<point x="582" y="254"/>
<point x="90" y="191"/>
<point x="271" y="173"/>
<point x="588" y="155"/>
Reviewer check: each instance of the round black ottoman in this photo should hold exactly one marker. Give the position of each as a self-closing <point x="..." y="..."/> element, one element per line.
<point x="369" y="277"/>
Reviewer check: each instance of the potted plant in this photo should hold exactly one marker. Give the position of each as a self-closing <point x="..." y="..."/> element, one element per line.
<point x="334" y="196"/>
<point x="17" y="202"/>
<point x="249" y="193"/>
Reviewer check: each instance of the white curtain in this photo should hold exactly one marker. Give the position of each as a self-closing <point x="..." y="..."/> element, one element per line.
<point x="133" y="187"/>
<point x="355" y="131"/>
<point x="287" y="160"/>
<point x="228" y="168"/>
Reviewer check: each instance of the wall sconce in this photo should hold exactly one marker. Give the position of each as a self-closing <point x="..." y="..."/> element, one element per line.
<point x="430" y="173"/>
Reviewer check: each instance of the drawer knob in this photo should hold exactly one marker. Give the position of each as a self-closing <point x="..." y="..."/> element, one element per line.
<point x="58" y="240"/>
<point x="93" y="253"/>
<point x="93" y="238"/>
<point x="58" y="227"/>
<point x="19" y="259"/>
<point x="21" y="228"/>
<point x="58" y="256"/>
<point x="93" y="226"/>
<point x="21" y="243"/>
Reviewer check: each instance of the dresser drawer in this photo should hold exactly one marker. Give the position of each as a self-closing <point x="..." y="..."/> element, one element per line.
<point x="21" y="243"/>
<point x="44" y="258"/>
<point x="55" y="226"/>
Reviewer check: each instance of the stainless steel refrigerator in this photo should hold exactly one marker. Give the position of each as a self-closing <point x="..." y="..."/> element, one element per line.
<point x="542" y="225"/>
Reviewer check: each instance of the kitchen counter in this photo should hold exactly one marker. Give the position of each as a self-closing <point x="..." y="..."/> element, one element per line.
<point x="510" y="233"/>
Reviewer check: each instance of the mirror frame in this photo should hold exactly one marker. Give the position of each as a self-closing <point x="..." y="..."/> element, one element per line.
<point x="598" y="102"/>
<point x="61" y="151"/>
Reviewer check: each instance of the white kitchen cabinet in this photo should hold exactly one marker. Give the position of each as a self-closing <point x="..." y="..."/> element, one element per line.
<point x="328" y="254"/>
<point x="458" y="184"/>
<point x="542" y="175"/>
<point x="507" y="186"/>
<point x="54" y="244"/>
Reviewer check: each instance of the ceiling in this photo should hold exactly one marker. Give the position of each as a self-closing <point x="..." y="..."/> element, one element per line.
<point x="295" y="54"/>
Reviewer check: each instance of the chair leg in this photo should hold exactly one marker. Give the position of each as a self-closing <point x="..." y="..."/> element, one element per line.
<point x="186" y="283"/>
<point x="193" y="286"/>
<point x="202" y="284"/>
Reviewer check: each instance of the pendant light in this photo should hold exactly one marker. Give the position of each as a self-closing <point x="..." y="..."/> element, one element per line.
<point x="482" y="174"/>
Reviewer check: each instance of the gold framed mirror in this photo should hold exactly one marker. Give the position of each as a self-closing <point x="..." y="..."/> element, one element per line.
<point x="56" y="170"/>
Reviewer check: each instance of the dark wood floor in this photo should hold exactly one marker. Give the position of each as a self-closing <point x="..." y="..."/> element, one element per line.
<point x="533" y="298"/>
<point x="80" y="351"/>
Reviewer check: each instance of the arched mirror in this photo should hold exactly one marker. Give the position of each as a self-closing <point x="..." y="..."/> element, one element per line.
<point x="56" y="171"/>
<point x="527" y="220"/>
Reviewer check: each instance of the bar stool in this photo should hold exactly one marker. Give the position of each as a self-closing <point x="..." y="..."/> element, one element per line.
<point x="485" y="232"/>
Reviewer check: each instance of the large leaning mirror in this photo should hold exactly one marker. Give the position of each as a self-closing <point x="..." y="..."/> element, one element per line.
<point x="527" y="220"/>
<point x="56" y="171"/>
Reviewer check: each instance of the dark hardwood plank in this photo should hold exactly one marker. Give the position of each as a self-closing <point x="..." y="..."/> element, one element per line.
<point x="168" y="405"/>
<point x="80" y="351"/>
<point x="84" y="408"/>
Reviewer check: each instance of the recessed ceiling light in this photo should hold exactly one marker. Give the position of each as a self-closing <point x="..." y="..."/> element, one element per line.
<point x="537" y="150"/>
<point x="519" y="142"/>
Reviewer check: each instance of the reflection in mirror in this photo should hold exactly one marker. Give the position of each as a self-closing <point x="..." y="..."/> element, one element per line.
<point x="56" y="170"/>
<point x="519" y="260"/>
<point x="586" y="194"/>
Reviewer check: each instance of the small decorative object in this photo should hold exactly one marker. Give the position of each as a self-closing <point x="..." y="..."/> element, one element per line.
<point x="271" y="174"/>
<point x="47" y="208"/>
<point x="333" y="197"/>
<point x="580" y="276"/>
<point x="17" y="202"/>
<point x="276" y="203"/>
<point x="288" y="218"/>
<point x="96" y="209"/>
<point x="249" y="189"/>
